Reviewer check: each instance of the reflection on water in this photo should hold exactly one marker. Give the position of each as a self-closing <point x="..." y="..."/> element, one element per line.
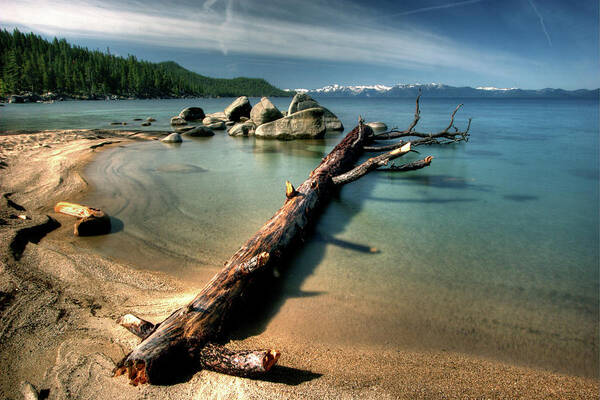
<point x="492" y="250"/>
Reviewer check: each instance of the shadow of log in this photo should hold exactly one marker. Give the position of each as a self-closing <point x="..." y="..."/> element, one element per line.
<point x="421" y="201"/>
<point x="288" y="376"/>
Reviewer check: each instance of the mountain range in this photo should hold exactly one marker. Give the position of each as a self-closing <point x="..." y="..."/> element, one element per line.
<point x="441" y="90"/>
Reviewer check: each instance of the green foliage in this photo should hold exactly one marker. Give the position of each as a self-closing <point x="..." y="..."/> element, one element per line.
<point x="30" y="63"/>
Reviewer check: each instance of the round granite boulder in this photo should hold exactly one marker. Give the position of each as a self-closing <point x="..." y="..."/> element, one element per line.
<point x="192" y="114"/>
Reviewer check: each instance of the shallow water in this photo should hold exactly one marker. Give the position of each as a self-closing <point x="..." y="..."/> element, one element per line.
<point x="492" y="250"/>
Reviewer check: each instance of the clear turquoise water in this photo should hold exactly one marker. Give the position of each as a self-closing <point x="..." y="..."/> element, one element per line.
<point x="493" y="250"/>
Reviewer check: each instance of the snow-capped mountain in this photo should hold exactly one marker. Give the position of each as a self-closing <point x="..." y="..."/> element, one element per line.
<point x="440" y="90"/>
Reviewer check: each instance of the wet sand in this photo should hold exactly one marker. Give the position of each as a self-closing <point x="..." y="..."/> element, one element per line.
<point x="59" y="302"/>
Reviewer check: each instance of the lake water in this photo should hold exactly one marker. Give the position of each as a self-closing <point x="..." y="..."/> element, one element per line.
<point x="493" y="250"/>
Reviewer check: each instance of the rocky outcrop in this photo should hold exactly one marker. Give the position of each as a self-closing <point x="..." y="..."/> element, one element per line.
<point x="302" y="124"/>
<point x="242" y="129"/>
<point x="192" y="114"/>
<point x="302" y="101"/>
<point x="177" y="121"/>
<point x="200" y="131"/>
<point x="378" y="127"/>
<point x="172" y="138"/>
<point x="239" y="108"/>
<point x="264" y="111"/>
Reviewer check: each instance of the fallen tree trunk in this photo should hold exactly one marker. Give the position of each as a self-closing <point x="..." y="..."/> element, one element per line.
<point x="184" y="339"/>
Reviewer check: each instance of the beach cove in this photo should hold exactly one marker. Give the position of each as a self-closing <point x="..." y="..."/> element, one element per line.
<point x="332" y="346"/>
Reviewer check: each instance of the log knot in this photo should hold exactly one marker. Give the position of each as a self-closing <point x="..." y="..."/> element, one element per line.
<point x="255" y="263"/>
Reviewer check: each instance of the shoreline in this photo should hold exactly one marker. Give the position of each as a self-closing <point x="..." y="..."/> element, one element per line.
<point x="59" y="303"/>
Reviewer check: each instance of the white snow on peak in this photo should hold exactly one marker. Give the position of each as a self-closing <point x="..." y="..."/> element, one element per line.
<point x="493" y="88"/>
<point x="356" y="89"/>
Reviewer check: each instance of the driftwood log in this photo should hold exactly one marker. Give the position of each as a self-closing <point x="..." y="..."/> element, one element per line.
<point x="186" y="338"/>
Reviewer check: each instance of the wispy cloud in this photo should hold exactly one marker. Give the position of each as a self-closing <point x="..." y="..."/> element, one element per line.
<point x="541" y="21"/>
<point x="433" y="8"/>
<point x="334" y="34"/>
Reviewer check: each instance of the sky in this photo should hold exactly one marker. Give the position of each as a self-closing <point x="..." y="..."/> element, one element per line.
<point x="529" y="44"/>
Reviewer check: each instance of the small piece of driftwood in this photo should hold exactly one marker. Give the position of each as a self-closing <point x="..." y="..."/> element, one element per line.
<point x="92" y="221"/>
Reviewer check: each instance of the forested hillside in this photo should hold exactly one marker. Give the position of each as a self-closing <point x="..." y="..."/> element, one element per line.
<point x="29" y="63"/>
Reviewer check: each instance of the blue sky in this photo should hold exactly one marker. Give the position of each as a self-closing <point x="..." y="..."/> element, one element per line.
<point x="312" y="43"/>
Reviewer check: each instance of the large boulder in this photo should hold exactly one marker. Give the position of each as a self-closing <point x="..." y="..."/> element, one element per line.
<point x="300" y="125"/>
<point x="264" y="111"/>
<point x="199" y="131"/>
<point x="239" y="108"/>
<point x="242" y="129"/>
<point x="302" y="101"/>
<point x="192" y="114"/>
<point x="172" y="138"/>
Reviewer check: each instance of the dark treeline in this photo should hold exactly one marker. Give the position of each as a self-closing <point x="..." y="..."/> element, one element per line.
<point x="29" y="63"/>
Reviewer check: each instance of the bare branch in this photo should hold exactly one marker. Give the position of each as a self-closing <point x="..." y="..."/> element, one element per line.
<point x="417" y="114"/>
<point x="443" y="137"/>
<point x="411" y="166"/>
<point x="370" y="165"/>
<point x="394" y="134"/>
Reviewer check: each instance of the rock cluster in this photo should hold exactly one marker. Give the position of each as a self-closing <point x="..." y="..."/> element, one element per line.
<point x="305" y="118"/>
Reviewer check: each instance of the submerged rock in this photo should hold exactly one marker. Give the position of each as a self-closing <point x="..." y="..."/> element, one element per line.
<point x="200" y="131"/>
<point x="242" y="129"/>
<point x="299" y="125"/>
<point x="180" y="168"/>
<point x="264" y="111"/>
<point x="147" y="123"/>
<point x="172" y="138"/>
<point x="240" y="107"/>
<point x="183" y="129"/>
<point x="378" y="127"/>
<point x="192" y="114"/>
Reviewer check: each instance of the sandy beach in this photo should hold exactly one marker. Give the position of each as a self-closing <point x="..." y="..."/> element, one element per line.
<point x="59" y="302"/>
